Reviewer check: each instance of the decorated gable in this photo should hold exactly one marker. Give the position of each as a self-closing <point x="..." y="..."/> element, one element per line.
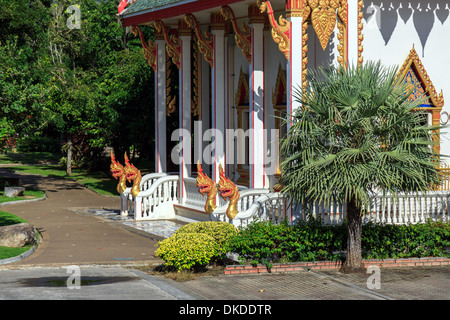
<point x="414" y="74"/>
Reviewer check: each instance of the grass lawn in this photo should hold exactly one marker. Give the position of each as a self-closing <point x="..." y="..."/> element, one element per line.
<point x="27" y="195"/>
<point x="97" y="181"/>
<point x="44" y="163"/>
<point x="5" y="220"/>
<point x="29" y="158"/>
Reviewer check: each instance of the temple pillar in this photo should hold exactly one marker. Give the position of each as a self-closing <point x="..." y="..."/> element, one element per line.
<point x="205" y="101"/>
<point x="294" y="66"/>
<point x="185" y="104"/>
<point x="354" y="29"/>
<point x="218" y="92"/>
<point x="160" y="106"/>
<point x="256" y="99"/>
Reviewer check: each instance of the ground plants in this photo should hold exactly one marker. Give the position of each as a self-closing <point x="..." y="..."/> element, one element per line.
<point x="186" y="251"/>
<point x="264" y="242"/>
<point x="221" y="232"/>
<point x="196" y="245"/>
<point x="267" y="243"/>
<point x="430" y="239"/>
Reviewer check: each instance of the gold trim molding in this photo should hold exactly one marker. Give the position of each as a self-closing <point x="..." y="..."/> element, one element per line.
<point x="171" y="100"/>
<point x="242" y="35"/>
<point x="413" y="61"/>
<point x="323" y="19"/>
<point x="195" y="103"/>
<point x="149" y="48"/>
<point x="173" y="44"/>
<point x="280" y="30"/>
<point x="204" y="41"/>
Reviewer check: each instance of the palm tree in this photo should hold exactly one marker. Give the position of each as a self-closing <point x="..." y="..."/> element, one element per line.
<point x="356" y="133"/>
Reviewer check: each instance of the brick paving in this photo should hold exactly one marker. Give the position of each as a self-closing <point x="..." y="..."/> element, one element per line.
<point x="418" y="283"/>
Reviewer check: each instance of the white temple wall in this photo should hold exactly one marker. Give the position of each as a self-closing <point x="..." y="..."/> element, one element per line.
<point x="391" y="28"/>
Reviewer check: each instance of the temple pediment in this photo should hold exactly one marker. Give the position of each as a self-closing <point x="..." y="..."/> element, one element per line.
<point x="413" y="72"/>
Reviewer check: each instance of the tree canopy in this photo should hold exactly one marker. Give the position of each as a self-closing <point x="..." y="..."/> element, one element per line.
<point x="88" y="84"/>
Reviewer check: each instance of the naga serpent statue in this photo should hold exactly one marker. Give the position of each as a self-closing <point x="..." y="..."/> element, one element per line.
<point x="208" y="187"/>
<point x="118" y="172"/>
<point x="228" y="189"/>
<point x="133" y="174"/>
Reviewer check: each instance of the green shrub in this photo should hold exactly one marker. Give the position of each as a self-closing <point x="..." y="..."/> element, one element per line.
<point x="187" y="250"/>
<point x="265" y="242"/>
<point x="221" y="232"/>
<point x="401" y="241"/>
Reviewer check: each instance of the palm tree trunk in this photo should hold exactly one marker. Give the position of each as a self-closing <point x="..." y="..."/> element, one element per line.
<point x="353" y="262"/>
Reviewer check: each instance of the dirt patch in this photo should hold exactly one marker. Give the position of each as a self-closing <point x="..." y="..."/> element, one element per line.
<point x="183" y="275"/>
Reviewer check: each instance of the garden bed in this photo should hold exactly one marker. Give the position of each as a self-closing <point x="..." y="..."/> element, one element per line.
<point x="334" y="265"/>
<point x="266" y="247"/>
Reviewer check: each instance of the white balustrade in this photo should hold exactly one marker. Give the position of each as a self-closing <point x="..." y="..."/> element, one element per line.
<point x="159" y="192"/>
<point x="157" y="202"/>
<point x="246" y="199"/>
<point x="193" y="196"/>
<point x="126" y="198"/>
<point x="388" y="209"/>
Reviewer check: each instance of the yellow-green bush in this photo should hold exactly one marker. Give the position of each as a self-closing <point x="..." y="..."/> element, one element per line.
<point x="220" y="231"/>
<point x="187" y="250"/>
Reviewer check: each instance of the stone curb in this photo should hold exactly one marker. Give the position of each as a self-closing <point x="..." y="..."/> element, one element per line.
<point x="23" y="201"/>
<point x="19" y="257"/>
<point x="334" y="265"/>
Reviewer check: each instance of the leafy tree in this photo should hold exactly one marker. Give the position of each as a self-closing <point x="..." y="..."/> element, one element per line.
<point x="356" y="134"/>
<point x="23" y="68"/>
<point x="89" y="85"/>
<point x="102" y="84"/>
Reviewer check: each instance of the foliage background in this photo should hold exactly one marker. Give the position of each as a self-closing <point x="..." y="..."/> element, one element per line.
<point x="90" y="85"/>
<point x="267" y="243"/>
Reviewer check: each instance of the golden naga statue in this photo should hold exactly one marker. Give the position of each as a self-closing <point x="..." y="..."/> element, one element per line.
<point x="133" y="174"/>
<point x="118" y="172"/>
<point x="228" y="189"/>
<point x="206" y="185"/>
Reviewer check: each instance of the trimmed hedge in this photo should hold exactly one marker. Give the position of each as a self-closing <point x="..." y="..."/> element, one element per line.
<point x="220" y="231"/>
<point x="266" y="243"/>
<point x="186" y="250"/>
<point x="196" y="245"/>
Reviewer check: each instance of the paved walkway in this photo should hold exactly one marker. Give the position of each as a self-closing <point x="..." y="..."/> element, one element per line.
<point x="76" y="230"/>
<point x="68" y="237"/>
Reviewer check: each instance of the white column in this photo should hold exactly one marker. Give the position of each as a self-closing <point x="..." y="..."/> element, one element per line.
<point x="294" y="70"/>
<point x="256" y="107"/>
<point x="205" y="101"/>
<point x="352" y="32"/>
<point x="160" y="108"/>
<point x="271" y="156"/>
<point x="185" y="111"/>
<point x="294" y="74"/>
<point x="218" y="102"/>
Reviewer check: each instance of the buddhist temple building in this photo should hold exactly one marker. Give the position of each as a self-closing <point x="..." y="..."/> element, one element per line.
<point x="228" y="71"/>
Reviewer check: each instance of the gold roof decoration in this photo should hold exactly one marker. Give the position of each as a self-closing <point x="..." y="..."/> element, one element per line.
<point x="414" y="72"/>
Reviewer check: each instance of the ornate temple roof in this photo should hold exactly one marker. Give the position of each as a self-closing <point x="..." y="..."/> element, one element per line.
<point x="145" y="11"/>
<point x="146" y="5"/>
